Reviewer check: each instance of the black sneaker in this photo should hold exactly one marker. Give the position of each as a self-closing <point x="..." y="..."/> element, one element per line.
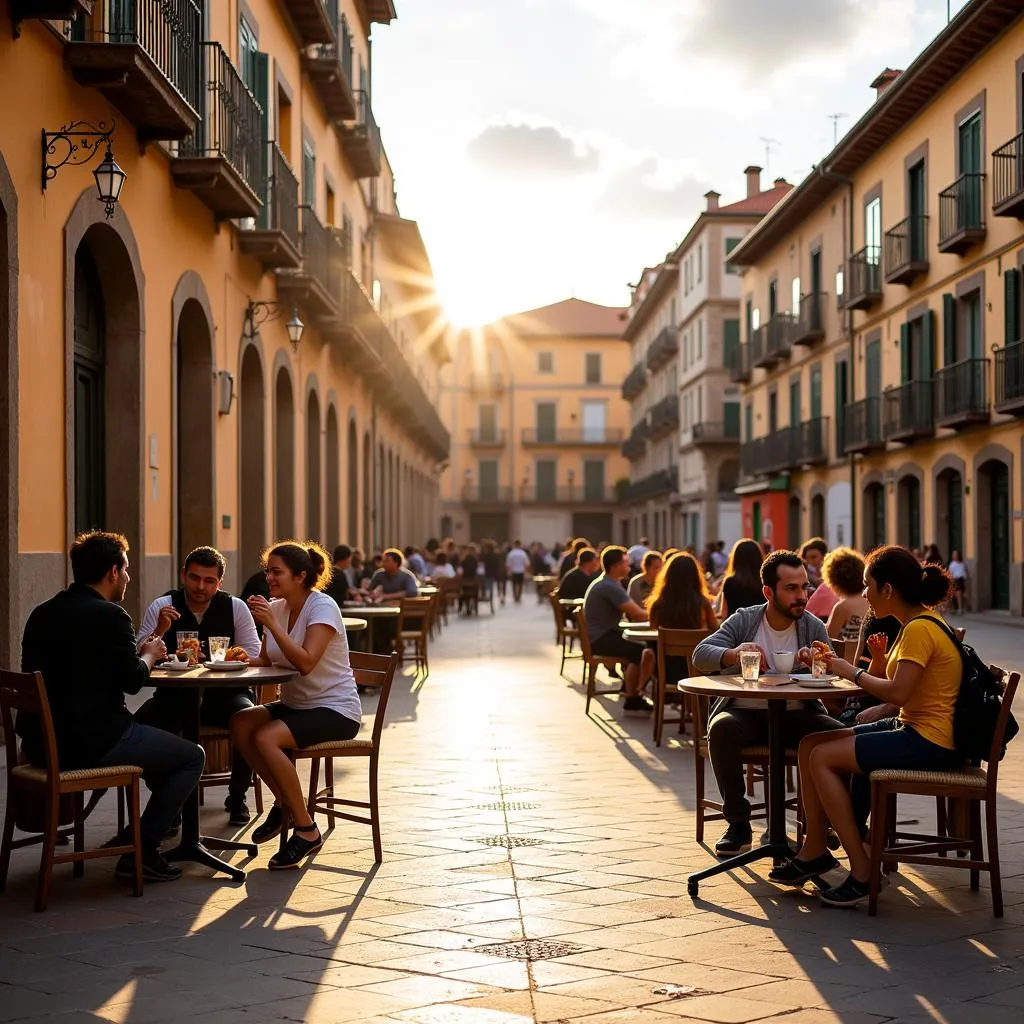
<point x="637" y="706"/>
<point x="238" y="810"/>
<point x="849" y="893"/>
<point x="738" y="838"/>
<point x="297" y="848"/>
<point x="155" y="868"/>
<point x="270" y="828"/>
<point x="797" y="872"/>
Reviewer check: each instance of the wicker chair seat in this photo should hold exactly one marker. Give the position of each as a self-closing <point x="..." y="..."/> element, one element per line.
<point x="969" y="778"/>
<point x="31" y="774"/>
<point x="366" y="745"/>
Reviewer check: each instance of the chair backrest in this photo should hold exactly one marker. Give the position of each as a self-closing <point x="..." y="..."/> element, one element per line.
<point x="999" y="736"/>
<point x="25" y="693"/>
<point x="846" y="649"/>
<point x="561" y="614"/>
<point x="414" y="608"/>
<point x="677" y="643"/>
<point x="375" y="670"/>
<point x="581" y="625"/>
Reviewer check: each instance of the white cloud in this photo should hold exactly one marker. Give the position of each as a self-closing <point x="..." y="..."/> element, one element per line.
<point x="531" y="149"/>
<point x="648" y="190"/>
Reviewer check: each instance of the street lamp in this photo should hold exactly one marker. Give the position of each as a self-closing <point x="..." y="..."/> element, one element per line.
<point x="76" y="143"/>
<point x="259" y="313"/>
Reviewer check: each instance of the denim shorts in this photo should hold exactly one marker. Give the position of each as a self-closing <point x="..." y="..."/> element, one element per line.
<point x="890" y="744"/>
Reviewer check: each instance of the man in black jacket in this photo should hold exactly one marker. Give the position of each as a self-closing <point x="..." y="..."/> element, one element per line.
<point x="83" y="643"/>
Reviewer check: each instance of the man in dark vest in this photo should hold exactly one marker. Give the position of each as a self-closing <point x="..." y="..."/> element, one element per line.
<point x="200" y="606"/>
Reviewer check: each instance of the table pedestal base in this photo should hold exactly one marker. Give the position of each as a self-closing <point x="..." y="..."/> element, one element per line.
<point x="199" y="854"/>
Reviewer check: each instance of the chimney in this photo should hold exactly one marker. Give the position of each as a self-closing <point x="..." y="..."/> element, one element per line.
<point x="712" y="198"/>
<point x="779" y="182"/>
<point x="753" y="174"/>
<point x="882" y="83"/>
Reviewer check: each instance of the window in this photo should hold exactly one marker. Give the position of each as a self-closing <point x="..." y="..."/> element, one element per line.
<point x="730" y="341"/>
<point x="730" y="244"/>
<point x="593" y="479"/>
<point x="545" y="414"/>
<point x="545" y="362"/>
<point x="545" y="470"/>
<point x="488" y="420"/>
<point x="755" y="319"/>
<point x="308" y="174"/>
<point x="873" y="230"/>
<point x="840" y="286"/>
<point x="331" y="207"/>
<point x="686" y="277"/>
<point x="593" y="367"/>
<point x="487" y="476"/>
<point x="284" y="123"/>
<point x="795" y="296"/>
<point x="593" y="416"/>
<point x="248" y="46"/>
<point x="700" y="262"/>
<point x="700" y="339"/>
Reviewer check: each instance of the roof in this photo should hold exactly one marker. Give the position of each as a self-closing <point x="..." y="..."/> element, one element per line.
<point x="954" y="49"/>
<point x="404" y="236"/>
<point x="667" y="276"/>
<point x="568" y="318"/>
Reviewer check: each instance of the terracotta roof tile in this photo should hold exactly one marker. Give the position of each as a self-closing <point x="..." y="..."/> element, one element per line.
<point x="763" y="202"/>
<point x="570" y="317"/>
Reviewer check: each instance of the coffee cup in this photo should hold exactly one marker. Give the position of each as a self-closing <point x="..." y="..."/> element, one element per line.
<point x="784" y="661"/>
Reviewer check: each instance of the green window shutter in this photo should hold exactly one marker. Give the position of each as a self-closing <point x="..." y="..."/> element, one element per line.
<point x="731" y="340"/>
<point x="748" y="422"/>
<point x="926" y="359"/>
<point x="1011" y="312"/>
<point x="948" y="329"/>
<point x="732" y="419"/>
<point x="906" y="369"/>
<point x="261" y="90"/>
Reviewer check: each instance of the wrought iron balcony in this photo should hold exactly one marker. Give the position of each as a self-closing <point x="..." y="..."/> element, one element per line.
<point x="573" y="494"/>
<point x="1010" y="378"/>
<point x="864" y="278"/>
<point x="961" y="394"/>
<point x="144" y="57"/>
<point x="962" y="214"/>
<point x="222" y="162"/>
<point x="635" y="445"/>
<point x="739" y="364"/>
<point x="908" y="412"/>
<point x="598" y="437"/>
<point x="361" y="140"/>
<point x="312" y="20"/>
<point x="487" y="438"/>
<point x="273" y="236"/>
<point x="720" y="432"/>
<point x="759" y="355"/>
<point x="810" y="322"/>
<point x="906" y="250"/>
<point x="808" y="442"/>
<point x="752" y="457"/>
<point x="772" y="341"/>
<point x="864" y="425"/>
<point x="656" y="485"/>
<point x="635" y="383"/>
<point x="329" y="66"/>
<point x="1008" y="178"/>
<point x="486" y="383"/>
<point x="662" y="349"/>
<point x="485" y="494"/>
<point x="317" y="283"/>
<point x="664" y="418"/>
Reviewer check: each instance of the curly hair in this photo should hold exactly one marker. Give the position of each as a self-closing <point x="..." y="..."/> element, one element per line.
<point x="843" y="572"/>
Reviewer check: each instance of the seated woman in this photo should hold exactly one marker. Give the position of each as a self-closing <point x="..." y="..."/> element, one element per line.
<point x="843" y="573"/>
<point x="921" y="677"/>
<point x="302" y="630"/>
<point x="679" y="600"/>
<point x="741" y="587"/>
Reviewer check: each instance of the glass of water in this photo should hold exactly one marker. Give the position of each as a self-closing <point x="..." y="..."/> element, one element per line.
<point x="219" y="647"/>
<point x="750" y="666"/>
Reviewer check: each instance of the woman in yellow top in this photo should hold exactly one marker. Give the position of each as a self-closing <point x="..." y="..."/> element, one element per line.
<point x="920" y="676"/>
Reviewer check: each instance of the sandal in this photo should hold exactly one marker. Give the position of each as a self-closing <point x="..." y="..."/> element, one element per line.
<point x="297" y="848"/>
<point x="271" y="826"/>
<point x="797" y="872"/>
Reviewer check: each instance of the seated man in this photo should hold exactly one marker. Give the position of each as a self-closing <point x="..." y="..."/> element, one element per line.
<point x="83" y="642"/>
<point x="641" y="585"/>
<point x="780" y="625"/>
<point x="200" y="606"/>
<point x="577" y="581"/>
<point x="606" y="603"/>
<point x="393" y="582"/>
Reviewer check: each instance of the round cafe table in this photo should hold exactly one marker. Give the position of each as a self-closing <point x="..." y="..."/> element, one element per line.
<point x="353" y="625"/>
<point x="775" y="694"/>
<point x="193" y="846"/>
<point x="640" y="635"/>
<point x="630" y="624"/>
<point x="369" y="613"/>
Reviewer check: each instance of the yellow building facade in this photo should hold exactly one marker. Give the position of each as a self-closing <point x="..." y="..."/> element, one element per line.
<point x="151" y="382"/>
<point x="536" y="419"/>
<point x="899" y="373"/>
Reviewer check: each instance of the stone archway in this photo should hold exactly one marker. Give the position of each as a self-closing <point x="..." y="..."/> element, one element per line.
<point x="314" y="473"/>
<point x="993" y="538"/>
<point x="794" y="537"/>
<point x="819" y="520"/>
<point x="104" y="334"/>
<point x="10" y="606"/>
<point x="909" y="504"/>
<point x="194" y="458"/>
<point x="948" y="487"/>
<point x="874" y="528"/>
<point x="332" y="459"/>
<point x="352" y="470"/>
<point x="252" y="458"/>
<point x="284" y="454"/>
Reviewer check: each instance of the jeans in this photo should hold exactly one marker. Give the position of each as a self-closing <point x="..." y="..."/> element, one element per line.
<point x="171" y="768"/>
<point x="517" y="586"/>
<point x="166" y="710"/>
<point x="733" y="728"/>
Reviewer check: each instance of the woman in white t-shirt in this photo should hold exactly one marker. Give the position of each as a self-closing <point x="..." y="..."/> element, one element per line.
<point x="303" y="630"/>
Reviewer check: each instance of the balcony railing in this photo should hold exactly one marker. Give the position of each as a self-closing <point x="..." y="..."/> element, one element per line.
<point x="752" y="457"/>
<point x="486" y="383"/>
<point x="143" y="56"/>
<point x="759" y="355"/>
<point x="635" y="383"/>
<point x="664" y="417"/>
<point x="961" y="394"/>
<point x="810" y="322"/>
<point x="597" y="436"/>
<point x="864" y="425"/>
<point x="907" y="412"/>
<point x="222" y="162"/>
<point x="572" y="494"/>
<point x="361" y="140"/>
<point x="864" y="278"/>
<point x="312" y="20"/>
<point x="739" y="364"/>
<point x="1010" y="378"/>
<point x="320" y="268"/>
<point x="487" y="438"/>
<point x="809" y="442"/>
<point x="1008" y="179"/>
<point x="486" y="494"/>
<point x="329" y="67"/>
<point x="636" y="444"/>
<point x="906" y="250"/>
<point x="772" y="341"/>
<point x="656" y="485"/>
<point x="962" y="213"/>
<point x="720" y="432"/>
<point x="662" y="349"/>
<point x="273" y="237"/>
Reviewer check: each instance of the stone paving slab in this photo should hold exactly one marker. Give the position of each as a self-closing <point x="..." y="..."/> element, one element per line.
<point x="535" y="866"/>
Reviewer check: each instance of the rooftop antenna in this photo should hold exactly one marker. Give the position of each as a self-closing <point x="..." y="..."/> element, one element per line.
<point x="834" y="118"/>
<point x="769" y="145"/>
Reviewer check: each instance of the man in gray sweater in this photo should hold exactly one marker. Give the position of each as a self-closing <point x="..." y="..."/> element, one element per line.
<point x="781" y="625"/>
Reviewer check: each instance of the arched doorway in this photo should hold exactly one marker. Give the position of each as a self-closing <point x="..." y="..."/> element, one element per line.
<point x="367" y="494"/>
<point x="352" y="534"/>
<point x="728" y="478"/>
<point x="389" y="503"/>
<point x="10" y="619"/>
<point x="908" y="512"/>
<point x="819" y="528"/>
<point x="332" y="521"/>
<point x="252" y="505"/>
<point x="284" y="456"/>
<point x="794" y="537"/>
<point x="993" y="549"/>
<point x="194" y="412"/>
<point x="90" y="370"/>
<point x="949" y="509"/>
<point x="874" y="528"/>
<point x="314" y="489"/>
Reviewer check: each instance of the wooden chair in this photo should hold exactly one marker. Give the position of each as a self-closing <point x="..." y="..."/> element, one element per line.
<point x="469" y="597"/>
<point x="591" y="660"/>
<point x="674" y="643"/>
<point x="24" y="692"/>
<point x="975" y="786"/>
<point x="566" y="633"/>
<point x="414" y="629"/>
<point x="370" y="670"/>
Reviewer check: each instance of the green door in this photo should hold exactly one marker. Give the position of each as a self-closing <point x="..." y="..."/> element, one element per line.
<point x="816" y="391"/>
<point x="545" y="470"/>
<point x="955" y="506"/>
<point x="757" y="520"/>
<point x="487" y="473"/>
<point x="918" y="210"/>
<point x="873" y="369"/>
<point x="971" y="167"/>
<point x="999" y="531"/>
<point x="545" y="413"/>
<point x="839" y="400"/>
<point x="593" y="480"/>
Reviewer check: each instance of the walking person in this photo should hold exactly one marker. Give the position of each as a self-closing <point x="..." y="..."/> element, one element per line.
<point x="517" y="562"/>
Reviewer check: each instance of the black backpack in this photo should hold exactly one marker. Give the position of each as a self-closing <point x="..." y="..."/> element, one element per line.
<point x="978" y="705"/>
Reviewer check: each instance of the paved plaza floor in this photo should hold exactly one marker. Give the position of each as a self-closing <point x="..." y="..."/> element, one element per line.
<point x="535" y="866"/>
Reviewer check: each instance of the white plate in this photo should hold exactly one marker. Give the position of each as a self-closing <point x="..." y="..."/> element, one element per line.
<point x="806" y="679"/>
<point x="176" y="666"/>
<point x="225" y="666"/>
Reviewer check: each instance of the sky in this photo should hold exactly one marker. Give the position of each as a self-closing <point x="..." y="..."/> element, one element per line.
<point x="554" y="148"/>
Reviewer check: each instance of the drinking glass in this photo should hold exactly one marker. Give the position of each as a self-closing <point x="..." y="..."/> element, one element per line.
<point x="750" y="666"/>
<point x="219" y="647"/>
<point x="188" y="643"/>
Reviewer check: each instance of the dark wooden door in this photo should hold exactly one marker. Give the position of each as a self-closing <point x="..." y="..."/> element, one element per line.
<point x="89" y="396"/>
